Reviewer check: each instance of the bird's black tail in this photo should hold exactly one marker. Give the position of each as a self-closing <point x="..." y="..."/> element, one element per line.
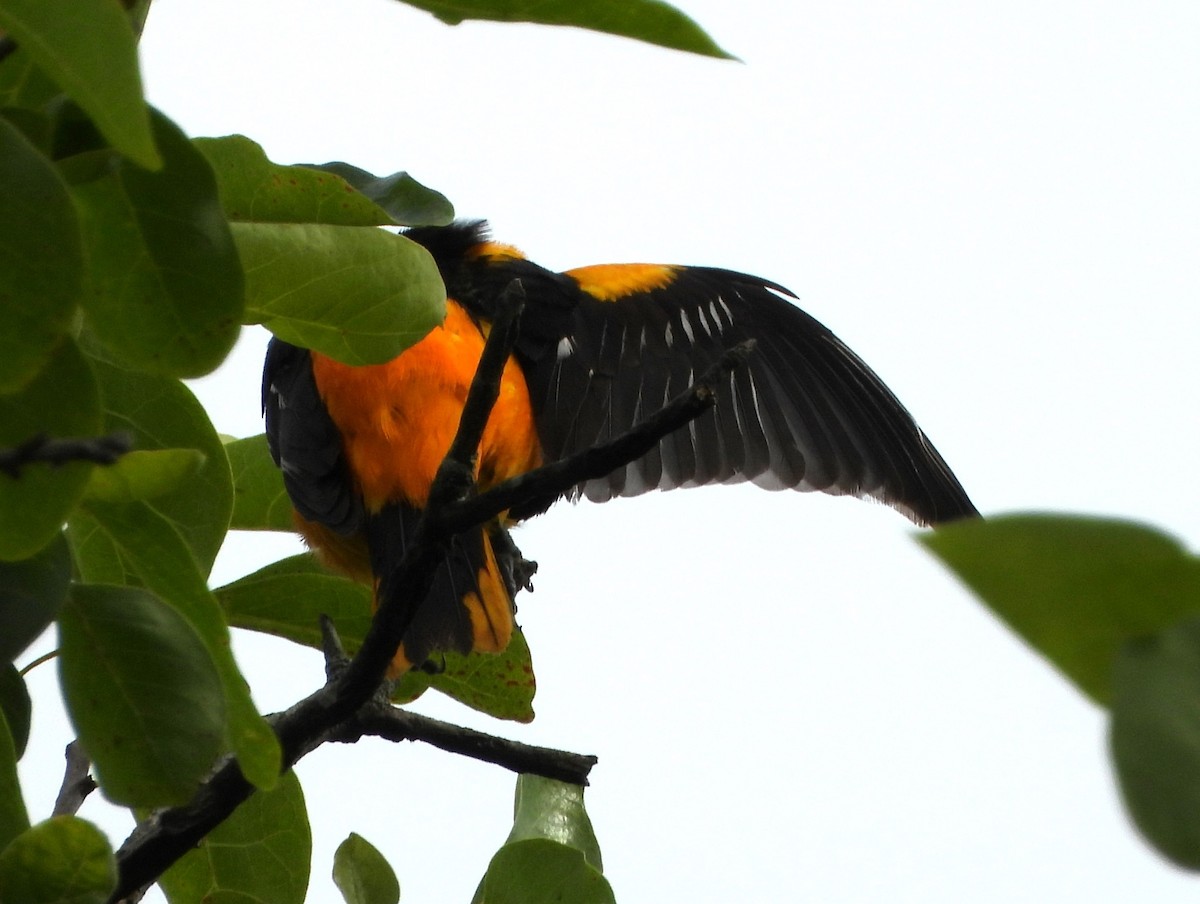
<point x="468" y="605"/>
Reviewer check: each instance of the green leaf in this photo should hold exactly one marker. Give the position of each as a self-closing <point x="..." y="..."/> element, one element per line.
<point x="259" y="500"/>
<point x="90" y="50"/>
<point x="148" y="551"/>
<point x="541" y="871"/>
<point x="166" y="291"/>
<point x="79" y="151"/>
<point x="23" y="84"/>
<point x="155" y="551"/>
<point x="41" y="259"/>
<point x="16" y="708"/>
<point x="362" y="874"/>
<point x="499" y="684"/>
<point x="142" y="692"/>
<point x="138" y="10"/>
<point x="1155" y="738"/>
<point x="261" y="854"/>
<point x="288" y="597"/>
<point x="255" y="190"/>
<point x="142" y="475"/>
<point x="97" y="559"/>
<point x="645" y="20"/>
<point x="1074" y="588"/>
<point x="13" y="817"/>
<point x="405" y="199"/>
<point x="161" y="413"/>
<point x="34" y="504"/>
<point x="64" y="860"/>
<point x="37" y="128"/>
<point x="545" y="808"/>
<point x="360" y="295"/>
<point x="31" y="593"/>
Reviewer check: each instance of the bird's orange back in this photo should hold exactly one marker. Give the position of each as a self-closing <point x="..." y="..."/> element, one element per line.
<point x="398" y="419"/>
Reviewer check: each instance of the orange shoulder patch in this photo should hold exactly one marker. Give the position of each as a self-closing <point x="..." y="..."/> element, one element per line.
<point x="612" y="282"/>
<point x="496" y="251"/>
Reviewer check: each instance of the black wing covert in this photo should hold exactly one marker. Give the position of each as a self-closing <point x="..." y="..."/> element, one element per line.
<point x="305" y="443"/>
<point x="805" y="413"/>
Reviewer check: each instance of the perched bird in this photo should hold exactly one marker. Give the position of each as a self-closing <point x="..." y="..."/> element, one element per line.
<point x="599" y="349"/>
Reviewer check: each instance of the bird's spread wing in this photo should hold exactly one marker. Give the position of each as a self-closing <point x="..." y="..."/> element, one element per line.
<point x="805" y="413"/>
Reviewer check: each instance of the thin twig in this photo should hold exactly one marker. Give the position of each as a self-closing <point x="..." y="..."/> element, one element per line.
<point x="45" y="657"/>
<point x="534" y="491"/>
<point x="77" y="784"/>
<point x="103" y="450"/>
<point x="336" y="659"/>
<point x="481" y="399"/>
<point x="394" y="724"/>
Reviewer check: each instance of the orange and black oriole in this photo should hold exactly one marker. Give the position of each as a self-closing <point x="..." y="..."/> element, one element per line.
<point x="599" y="349"/>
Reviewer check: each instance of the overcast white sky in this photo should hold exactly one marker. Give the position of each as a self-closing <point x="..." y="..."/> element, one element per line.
<point x="994" y="204"/>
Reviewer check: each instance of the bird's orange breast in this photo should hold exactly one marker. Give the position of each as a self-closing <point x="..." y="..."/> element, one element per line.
<point x="398" y="419"/>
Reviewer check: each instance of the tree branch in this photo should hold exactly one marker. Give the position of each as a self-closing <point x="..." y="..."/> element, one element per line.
<point x="535" y="491"/>
<point x="341" y="708"/>
<point x="103" y="450"/>
<point x="77" y="784"/>
<point x="455" y="478"/>
<point x="394" y="724"/>
<point x="379" y="718"/>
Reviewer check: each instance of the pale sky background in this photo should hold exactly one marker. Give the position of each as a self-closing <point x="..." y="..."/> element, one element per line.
<point x="996" y="205"/>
